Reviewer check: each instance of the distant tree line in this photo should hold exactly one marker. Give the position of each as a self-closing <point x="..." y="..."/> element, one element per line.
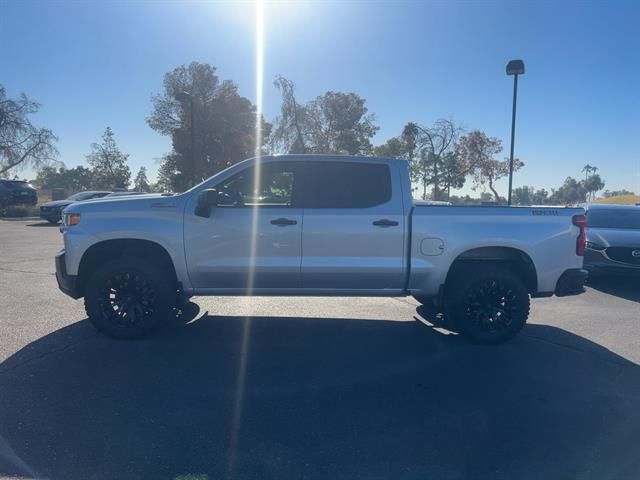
<point x="212" y="126"/>
<point x="572" y="191"/>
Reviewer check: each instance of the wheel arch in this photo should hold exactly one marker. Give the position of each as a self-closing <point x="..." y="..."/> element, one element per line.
<point x="515" y="259"/>
<point x="102" y="252"/>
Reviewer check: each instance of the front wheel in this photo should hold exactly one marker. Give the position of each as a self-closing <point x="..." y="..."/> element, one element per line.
<point x="487" y="304"/>
<point x="129" y="298"/>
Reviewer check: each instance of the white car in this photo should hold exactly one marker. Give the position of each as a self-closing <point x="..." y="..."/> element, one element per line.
<point x="316" y="225"/>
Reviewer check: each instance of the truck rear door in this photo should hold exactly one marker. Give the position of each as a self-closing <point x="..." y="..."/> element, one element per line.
<point x="353" y="227"/>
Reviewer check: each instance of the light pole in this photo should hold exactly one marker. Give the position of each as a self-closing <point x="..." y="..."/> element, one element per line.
<point x="515" y="68"/>
<point x="193" y="138"/>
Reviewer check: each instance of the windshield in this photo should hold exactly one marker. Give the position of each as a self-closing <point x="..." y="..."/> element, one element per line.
<point x="81" y="196"/>
<point x="14" y="185"/>
<point x="627" y="219"/>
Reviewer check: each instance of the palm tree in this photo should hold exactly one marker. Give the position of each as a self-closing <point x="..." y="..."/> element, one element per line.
<point x="587" y="169"/>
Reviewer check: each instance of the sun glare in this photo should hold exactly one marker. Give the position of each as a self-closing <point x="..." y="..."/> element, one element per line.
<point x="246" y="324"/>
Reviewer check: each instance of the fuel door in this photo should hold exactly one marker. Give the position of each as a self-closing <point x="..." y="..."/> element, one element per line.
<point x="432" y="246"/>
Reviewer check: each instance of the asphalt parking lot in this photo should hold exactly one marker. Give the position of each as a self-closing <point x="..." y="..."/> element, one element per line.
<point x="279" y="388"/>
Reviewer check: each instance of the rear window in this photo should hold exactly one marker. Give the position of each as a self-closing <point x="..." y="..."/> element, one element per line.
<point x="614" y="218"/>
<point x="347" y="185"/>
<point x="14" y="185"/>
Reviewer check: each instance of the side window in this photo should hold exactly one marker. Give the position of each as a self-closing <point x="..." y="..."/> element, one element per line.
<point x="347" y="185"/>
<point x="275" y="188"/>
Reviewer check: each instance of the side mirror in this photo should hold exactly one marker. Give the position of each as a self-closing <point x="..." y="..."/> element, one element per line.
<point x="207" y="199"/>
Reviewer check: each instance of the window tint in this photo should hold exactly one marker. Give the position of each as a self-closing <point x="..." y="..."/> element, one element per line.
<point x="347" y="185"/>
<point x="274" y="189"/>
<point x="614" y="218"/>
<point x="16" y="185"/>
<point x="81" y="196"/>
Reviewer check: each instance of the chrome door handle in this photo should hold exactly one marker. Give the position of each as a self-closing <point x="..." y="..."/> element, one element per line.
<point x="283" y="222"/>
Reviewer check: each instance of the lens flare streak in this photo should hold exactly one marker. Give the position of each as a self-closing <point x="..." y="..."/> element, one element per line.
<point x="246" y="323"/>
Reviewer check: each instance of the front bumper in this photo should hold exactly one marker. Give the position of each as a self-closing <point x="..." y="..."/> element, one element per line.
<point x="66" y="283"/>
<point x="51" y="215"/>
<point x="571" y="282"/>
<point x="597" y="262"/>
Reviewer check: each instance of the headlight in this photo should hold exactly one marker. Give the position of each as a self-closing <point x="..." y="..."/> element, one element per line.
<point x="594" y="246"/>
<point x="70" y="219"/>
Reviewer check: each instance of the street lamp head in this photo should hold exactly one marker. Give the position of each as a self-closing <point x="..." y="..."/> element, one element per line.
<point x="515" y="67"/>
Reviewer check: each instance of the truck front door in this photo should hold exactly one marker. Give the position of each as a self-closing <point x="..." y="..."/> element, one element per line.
<point x="252" y="239"/>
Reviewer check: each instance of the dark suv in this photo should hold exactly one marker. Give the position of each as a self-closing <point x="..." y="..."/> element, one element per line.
<point x="17" y="192"/>
<point x="613" y="239"/>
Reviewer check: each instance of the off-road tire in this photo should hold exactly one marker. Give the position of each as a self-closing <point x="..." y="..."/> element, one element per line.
<point x="129" y="298"/>
<point x="487" y="304"/>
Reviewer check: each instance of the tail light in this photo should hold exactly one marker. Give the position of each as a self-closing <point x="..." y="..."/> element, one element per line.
<point x="580" y="221"/>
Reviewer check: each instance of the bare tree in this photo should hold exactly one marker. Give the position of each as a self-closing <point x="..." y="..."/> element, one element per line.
<point x="288" y="134"/>
<point x="430" y="146"/>
<point x="21" y="143"/>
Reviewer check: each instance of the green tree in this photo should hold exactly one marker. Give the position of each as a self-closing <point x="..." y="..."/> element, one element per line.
<point x="170" y="177"/>
<point x="570" y="192"/>
<point x="109" y="167"/>
<point x="540" y="197"/>
<point x="395" y="147"/>
<point x="21" y="143"/>
<point x="141" y="182"/>
<point x="592" y="185"/>
<point x="224" y="124"/>
<point x="523" y="195"/>
<point x="340" y="123"/>
<point x="70" y="179"/>
<point x="529" y="196"/>
<point x="452" y="173"/>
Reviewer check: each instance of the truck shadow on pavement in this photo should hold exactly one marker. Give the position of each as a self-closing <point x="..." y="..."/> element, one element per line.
<point x="627" y="287"/>
<point x="43" y="224"/>
<point x="279" y="398"/>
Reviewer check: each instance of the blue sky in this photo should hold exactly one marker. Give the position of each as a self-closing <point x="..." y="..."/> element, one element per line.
<point x="93" y="64"/>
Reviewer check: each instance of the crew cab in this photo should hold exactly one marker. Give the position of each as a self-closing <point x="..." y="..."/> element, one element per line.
<point x="316" y="225"/>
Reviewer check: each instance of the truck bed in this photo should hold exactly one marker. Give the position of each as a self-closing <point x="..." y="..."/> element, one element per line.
<point x="441" y="233"/>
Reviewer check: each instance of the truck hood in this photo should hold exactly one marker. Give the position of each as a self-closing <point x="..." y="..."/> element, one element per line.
<point x="57" y="203"/>
<point x="614" y="237"/>
<point x="127" y="203"/>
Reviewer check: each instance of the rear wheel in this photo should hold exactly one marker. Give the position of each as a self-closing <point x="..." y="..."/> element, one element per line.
<point x="129" y="298"/>
<point x="487" y="304"/>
